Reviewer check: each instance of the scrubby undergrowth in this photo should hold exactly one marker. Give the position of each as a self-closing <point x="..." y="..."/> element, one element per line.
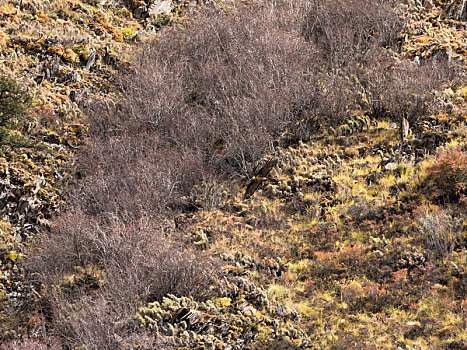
<point x="360" y="241"/>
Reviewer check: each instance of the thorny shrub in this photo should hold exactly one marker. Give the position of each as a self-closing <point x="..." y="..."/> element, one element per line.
<point x="328" y="103"/>
<point x="231" y="85"/>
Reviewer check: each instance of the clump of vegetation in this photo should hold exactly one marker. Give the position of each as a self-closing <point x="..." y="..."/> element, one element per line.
<point x="345" y="31"/>
<point x="446" y="179"/>
<point x="222" y="92"/>
<point x="14" y="105"/>
<point x="40" y="60"/>
<point x="440" y="229"/>
<point x="395" y="89"/>
<point x="14" y="102"/>
<point x="119" y="266"/>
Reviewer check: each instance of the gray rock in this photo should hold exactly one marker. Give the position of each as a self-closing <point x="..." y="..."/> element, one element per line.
<point x="159" y="7"/>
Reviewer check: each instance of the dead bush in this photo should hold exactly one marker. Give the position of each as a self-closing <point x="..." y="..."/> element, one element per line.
<point x="131" y="175"/>
<point x="99" y="323"/>
<point x="32" y="344"/>
<point x="327" y="103"/>
<point x="137" y="260"/>
<point x="396" y="89"/>
<point x="345" y="30"/>
<point x="96" y="273"/>
<point x="231" y="84"/>
<point x="228" y="85"/>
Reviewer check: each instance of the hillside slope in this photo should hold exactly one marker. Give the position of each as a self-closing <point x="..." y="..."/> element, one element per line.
<point x="359" y="243"/>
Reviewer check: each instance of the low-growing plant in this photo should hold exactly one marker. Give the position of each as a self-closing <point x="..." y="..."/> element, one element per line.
<point x="440" y="229"/>
<point x="128" y="33"/>
<point x="368" y="296"/>
<point x="446" y="179"/>
<point x="14" y="102"/>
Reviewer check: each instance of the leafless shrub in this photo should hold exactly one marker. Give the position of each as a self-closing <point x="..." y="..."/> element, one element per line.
<point x="231" y="84"/>
<point x="126" y="264"/>
<point x="131" y="175"/>
<point x="346" y="30"/>
<point x="225" y="86"/>
<point x="32" y="344"/>
<point x="89" y="323"/>
<point x="440" y="230"/>
<point x="396" y="89"/>
<point x="136" y="258"/>
<point x="95" y="321"/>
<point x="337" y="96"/>
<point x="99" y="323"/>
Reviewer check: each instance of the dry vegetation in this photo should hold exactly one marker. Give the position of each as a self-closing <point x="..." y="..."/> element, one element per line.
<point x="361" y="241"/>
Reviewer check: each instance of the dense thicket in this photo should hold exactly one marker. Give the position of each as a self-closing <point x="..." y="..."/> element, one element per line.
<point x="346" y="31"/>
